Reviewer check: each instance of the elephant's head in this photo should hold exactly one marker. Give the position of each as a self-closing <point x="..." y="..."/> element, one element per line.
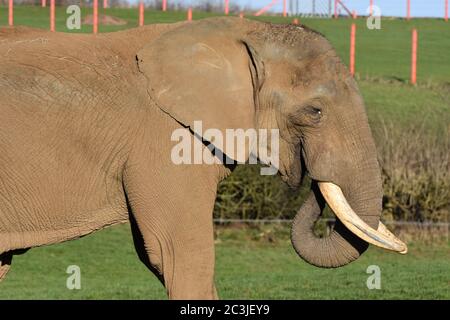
<point x="232" y="73"/>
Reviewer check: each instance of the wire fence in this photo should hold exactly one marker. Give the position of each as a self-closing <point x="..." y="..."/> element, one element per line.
<point x="288" y="221"/>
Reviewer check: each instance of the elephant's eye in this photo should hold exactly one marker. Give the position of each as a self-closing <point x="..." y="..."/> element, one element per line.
<point x="307" y="115"/>
<point x="314" y="112"/>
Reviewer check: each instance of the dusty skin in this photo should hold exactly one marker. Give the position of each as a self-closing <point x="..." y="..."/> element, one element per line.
<point x="85" y="131"/>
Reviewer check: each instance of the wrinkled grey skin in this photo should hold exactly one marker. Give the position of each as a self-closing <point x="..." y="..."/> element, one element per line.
<point x="87" y="120"/>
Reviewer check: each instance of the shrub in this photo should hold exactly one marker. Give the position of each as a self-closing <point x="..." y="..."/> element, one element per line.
<point x="415" y="163"/>
<point x="248" y="195"/>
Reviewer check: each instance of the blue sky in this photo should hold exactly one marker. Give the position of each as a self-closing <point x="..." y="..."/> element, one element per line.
<point x="419" y="8"/>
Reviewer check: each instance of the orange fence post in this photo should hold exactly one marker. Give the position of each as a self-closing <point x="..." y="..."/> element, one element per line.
<point x="371" y="7"/>
<point x="52" y="15"/>
<point x="189" y="14"/>
<point x="414" y="57"/>
<point x="295" y="21"/>
<point x="11" y="13"/>
<point x="43" y="3"/>
<point x="335" y="9"/>
<point x="446" y="11"/>
<point x="141" y="13"/>
<point x="354" y="15"/>
<point x="352" y="49"/>
<point x="227" y="7"/>
<point x="284" y="8"/>
<point x="241" y="15"/>
<point x="408" y="9"/>
<point x="164" y="5"/>
<point x="95" y="23"/>
<point x="105" y="4"/>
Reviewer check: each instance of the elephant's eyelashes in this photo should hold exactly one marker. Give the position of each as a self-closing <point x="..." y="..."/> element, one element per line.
<point x="307" y="115"/>
<point x="313" y="113"/>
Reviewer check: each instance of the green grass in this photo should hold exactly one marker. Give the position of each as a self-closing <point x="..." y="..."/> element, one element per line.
<point x="381" y="53"/>
<point x="245" y="268"/>
<point x="38" y="17"/>
<point x="387" y="52"/>
<point x="403" y="104"/>
<point x="382" y="56"/>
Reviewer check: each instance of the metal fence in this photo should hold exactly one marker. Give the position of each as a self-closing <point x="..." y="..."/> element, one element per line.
<point x="287" y="221"/>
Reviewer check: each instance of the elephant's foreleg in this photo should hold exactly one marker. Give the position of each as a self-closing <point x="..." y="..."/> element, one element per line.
<point x="143" y="254"/>
<point x="173" y="212"/>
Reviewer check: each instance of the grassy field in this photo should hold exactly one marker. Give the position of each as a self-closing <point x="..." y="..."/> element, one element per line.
<point x="248" y="266"/>
<point x="380" y="53"/>
<point x="258" y="269"/>
<point x="382" y="56"/>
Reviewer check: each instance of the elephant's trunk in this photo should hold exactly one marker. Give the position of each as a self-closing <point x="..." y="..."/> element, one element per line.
<point x="352" y="232"/>
<point x="339" y="248"/>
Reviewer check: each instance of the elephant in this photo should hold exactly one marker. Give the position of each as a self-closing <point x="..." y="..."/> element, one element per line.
<point x="85" y="139"/>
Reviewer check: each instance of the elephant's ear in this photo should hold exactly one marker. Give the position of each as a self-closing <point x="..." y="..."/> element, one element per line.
<point x="201" y="73"/>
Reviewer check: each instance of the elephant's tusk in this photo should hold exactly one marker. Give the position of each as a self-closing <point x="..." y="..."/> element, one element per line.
<point x="382" y="229"/>
<point x="382" y="237"/>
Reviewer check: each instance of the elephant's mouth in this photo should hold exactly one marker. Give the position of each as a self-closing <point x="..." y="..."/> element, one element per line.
<point x="381" y="237"/>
